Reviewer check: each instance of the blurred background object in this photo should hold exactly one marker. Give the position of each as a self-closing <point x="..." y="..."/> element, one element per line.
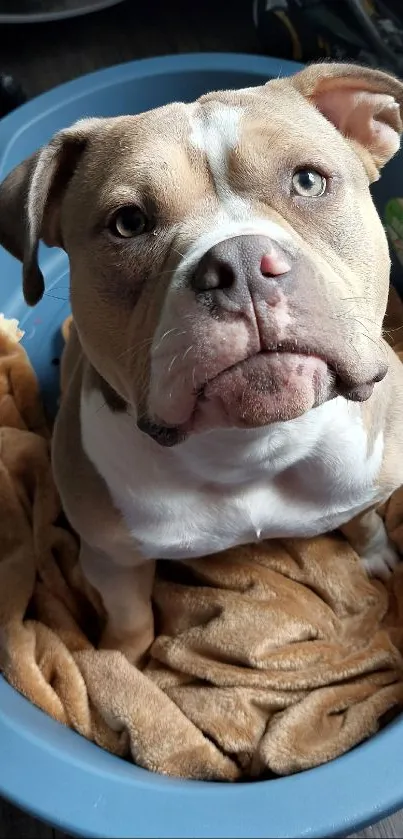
<point x="42" y="55"/>
<point x="11" y="94"/>
<point x="40" y="11"/>
<point x="46" y="42"/>
<point x="367" y="31"/>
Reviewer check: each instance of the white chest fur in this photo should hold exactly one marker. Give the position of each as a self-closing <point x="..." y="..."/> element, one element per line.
<point x="231" y="487"/>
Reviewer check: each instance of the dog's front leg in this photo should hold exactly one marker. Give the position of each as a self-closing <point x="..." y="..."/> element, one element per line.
<point x="126" y="595"/>
<point x="367" y="535"/>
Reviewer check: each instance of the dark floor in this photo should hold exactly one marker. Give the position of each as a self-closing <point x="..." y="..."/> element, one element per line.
<point x="42" y="56"/>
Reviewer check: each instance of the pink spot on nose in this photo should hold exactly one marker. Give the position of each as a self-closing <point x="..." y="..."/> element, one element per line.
<point x="273" y="264"/>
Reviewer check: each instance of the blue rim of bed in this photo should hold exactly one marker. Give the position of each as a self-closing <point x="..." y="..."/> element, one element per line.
<point x="63" y="779"/>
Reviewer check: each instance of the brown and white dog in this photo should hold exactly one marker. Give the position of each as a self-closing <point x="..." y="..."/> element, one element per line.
<point x="226" y="380"/>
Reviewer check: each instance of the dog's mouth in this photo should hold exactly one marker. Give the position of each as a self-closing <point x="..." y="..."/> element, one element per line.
<point x="277" y="384"/>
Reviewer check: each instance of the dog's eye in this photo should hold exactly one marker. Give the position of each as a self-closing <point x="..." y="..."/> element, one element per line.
<point x="129" y="222"/>
<point x="309" y="183"/>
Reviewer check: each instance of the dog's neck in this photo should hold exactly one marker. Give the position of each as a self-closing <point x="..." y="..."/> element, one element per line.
<point x="221" y="457"/>
<point x="239" y="456"/>
<point x="230" y="456"/>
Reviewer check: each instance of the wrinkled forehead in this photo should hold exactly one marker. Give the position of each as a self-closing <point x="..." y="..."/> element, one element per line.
<point x="173" y="155"/>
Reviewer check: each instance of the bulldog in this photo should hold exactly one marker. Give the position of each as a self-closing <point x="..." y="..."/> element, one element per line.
<point x="226" y="379"/>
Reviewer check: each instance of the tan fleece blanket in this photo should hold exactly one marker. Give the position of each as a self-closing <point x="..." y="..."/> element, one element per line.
<point x="268" y="659"/>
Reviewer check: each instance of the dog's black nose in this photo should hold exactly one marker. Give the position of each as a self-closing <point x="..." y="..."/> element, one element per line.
<point x="240" y="266"/>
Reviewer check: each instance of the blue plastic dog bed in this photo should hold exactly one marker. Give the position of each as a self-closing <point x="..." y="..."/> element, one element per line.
<point x="47" y="769"/>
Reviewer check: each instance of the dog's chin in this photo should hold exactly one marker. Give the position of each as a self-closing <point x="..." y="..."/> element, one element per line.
<point x="267" y="388"/>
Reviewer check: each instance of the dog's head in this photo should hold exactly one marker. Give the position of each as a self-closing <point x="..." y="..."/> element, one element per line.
<point x="227" y="263"/>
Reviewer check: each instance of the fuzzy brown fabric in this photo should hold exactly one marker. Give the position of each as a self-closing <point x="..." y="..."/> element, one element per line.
<point x="268" y="659"/>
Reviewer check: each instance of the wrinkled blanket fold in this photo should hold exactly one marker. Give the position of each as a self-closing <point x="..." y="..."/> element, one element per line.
<point x="268" y="659"/>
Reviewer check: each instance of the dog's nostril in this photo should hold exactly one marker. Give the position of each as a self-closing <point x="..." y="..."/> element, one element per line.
<point x="225" y="275"/>
<point x="213" y="276"/>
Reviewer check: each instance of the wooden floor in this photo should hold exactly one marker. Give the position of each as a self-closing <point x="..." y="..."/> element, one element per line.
<point x="41" y="56"/>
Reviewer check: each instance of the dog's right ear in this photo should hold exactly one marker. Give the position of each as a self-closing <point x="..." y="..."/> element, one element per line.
<point x="31" y="198"/>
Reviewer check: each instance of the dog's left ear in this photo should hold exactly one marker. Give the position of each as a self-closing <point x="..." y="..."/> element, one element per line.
<point x="365" y="105"/>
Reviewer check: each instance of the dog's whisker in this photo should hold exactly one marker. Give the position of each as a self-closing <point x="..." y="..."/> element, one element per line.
<point x="355" y="319"/>
<point x="178" y="252"/>
<point x="186" y="353"/>
<point x="136" y="347"/>
<point x="178" y="335"/>
<point x="148" y="342"/>
<point x="395" y="328"/>
<point x="55" y="297"/>
<point x="172" y="362"/>
<point x="392" y="330"/>
<point x="345" y="315"/>
<point x="363" y="325"/>
<point x="378" y="344"/>
<point x="352" y="346"/>
<point x="100" y="407"/>
<point x="165" y="335"/>
<point x="370" y="320"/>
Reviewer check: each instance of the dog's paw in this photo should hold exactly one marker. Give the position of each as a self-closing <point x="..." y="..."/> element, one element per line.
<point x="380" y="561"/>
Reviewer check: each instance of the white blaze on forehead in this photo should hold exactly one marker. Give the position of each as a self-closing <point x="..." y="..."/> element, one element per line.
<point x="215" y="133"/>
